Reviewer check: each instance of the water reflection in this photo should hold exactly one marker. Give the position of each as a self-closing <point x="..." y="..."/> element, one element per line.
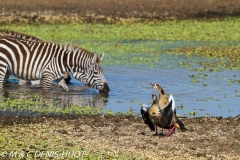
<point x="28" y="96"/>
<point x="214" y="94"/>
<point x="66" y="100"/>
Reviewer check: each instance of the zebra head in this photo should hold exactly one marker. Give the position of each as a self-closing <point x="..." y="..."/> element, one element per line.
<point x="94" y="75"/>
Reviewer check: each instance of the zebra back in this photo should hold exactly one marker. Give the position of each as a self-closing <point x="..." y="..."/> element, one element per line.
<point x="18" y="35"/>
<point x="82" y="68"/>
<point x="21" y="36"/>
<point x="28" y="59"/>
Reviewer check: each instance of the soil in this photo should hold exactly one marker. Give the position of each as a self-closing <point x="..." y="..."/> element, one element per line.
<point x="35" y="11"/>
<point x="205" y="138"/>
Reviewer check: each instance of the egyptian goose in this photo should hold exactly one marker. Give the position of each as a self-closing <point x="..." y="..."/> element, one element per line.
<point x="146" y="119"/>
<point x="150" y="115"/>
<point x="167" y="111"/>
<point x="154" y="124"/>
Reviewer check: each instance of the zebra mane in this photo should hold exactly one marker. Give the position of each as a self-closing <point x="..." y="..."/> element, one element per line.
<point x="74" y="48"/>
<point x="68" y="47"/>
<point x="19" y="35"/>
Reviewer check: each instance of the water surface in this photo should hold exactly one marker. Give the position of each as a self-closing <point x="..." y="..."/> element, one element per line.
<point x="129" y="77"/>
<point x="213" y="95"/>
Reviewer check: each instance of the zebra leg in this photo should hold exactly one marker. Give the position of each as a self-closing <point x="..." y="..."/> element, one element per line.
<point x="62" y="83"/>
<point x="6" y="77"/>
<point x="35" y="82"/>
<point x="67" y="77"/>
<point x="47" y="81"/>
<point x="3" y="74"/>
<point x="22" y="82"/>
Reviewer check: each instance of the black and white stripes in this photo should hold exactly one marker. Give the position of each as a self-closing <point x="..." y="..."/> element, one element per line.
<point x="33" y="60"/>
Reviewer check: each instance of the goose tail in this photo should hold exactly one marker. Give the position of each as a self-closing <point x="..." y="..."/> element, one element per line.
<point x="180" y="124"/>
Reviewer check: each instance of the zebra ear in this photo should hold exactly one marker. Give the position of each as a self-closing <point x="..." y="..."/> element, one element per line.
<point x="94" y="59"/>
<point x="100" y="58"/>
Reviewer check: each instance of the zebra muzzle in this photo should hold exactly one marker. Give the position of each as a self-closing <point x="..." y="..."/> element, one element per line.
<point x="105" y="88"/>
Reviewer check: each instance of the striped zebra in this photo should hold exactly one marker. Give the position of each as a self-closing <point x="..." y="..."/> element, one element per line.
<point x="13" y="34"/>
<point x="33" y="60"/>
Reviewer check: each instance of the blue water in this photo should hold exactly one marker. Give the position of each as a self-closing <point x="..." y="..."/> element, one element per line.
<point x="131" y="87"/>
<point x="213" y="95"/>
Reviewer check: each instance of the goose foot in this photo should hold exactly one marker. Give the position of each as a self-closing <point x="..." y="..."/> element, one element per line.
<point x="170" y="131"/>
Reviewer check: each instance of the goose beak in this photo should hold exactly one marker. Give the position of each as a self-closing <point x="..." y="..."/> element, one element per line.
<point x="152" y="96"/>
<point x="153" y="84"/>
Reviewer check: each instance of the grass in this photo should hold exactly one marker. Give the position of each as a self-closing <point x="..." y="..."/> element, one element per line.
<point x="128" y="45"/>
<point x="45" y="141"/>
<point x="124" y="44"/>
<point x="185" y="30"/>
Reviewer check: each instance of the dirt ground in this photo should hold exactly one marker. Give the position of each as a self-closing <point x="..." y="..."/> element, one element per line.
<point x="29" y="11"/>
<point x="206" y="138"/>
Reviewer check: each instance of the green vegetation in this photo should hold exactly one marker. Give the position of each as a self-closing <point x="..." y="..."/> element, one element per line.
<point x="145" y="45"/>
<point x="37" y="105"/>
<point x="47" y="141"/>
<point x="128" y="45"/>
<point x="185" y="30"/>
<point x="125" y="44"/>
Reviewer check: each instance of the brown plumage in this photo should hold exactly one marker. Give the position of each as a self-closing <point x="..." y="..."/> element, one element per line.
<point x="153" y="120"/>
<point x="154" y="113"/>
<point x="151" y="115"/>
<point x="163" y="99"/>
<point x="167" y="112"/>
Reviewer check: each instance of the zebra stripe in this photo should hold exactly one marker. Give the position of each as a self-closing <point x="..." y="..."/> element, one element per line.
<point x="49" y="60"/>
<point x="13" y="34"/>
<point x="94" y="77"/>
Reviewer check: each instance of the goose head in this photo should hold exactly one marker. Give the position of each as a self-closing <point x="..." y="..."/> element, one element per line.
<point x="158" y="88"/>
<point x="154" y="97"/>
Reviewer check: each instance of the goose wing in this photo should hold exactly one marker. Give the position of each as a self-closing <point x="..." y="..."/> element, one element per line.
<point x="173" y="103"/>
<point x="168" y="113"/>
<point x="146" y="119"/>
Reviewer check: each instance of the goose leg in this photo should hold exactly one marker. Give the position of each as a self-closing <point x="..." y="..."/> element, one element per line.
<point x="170" y="130"/>
<point x="156" y="130"/>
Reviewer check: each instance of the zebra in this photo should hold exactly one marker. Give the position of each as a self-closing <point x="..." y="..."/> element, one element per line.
<point x="13" y="34"/>
<point x="9" y="33"/>
<point x="49" y="61"/>
<point x="96" y="83"/>
<point x="62" y="83"/>
<point x="94" y="78"/>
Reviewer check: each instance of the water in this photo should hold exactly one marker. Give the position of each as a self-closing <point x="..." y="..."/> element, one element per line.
<point x="213" y="95"/>
<point x="132" y="87"/>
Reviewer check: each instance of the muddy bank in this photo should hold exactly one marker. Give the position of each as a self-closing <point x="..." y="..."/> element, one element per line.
<point x="206" y="138"/>
<point x="29" y="11"/>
